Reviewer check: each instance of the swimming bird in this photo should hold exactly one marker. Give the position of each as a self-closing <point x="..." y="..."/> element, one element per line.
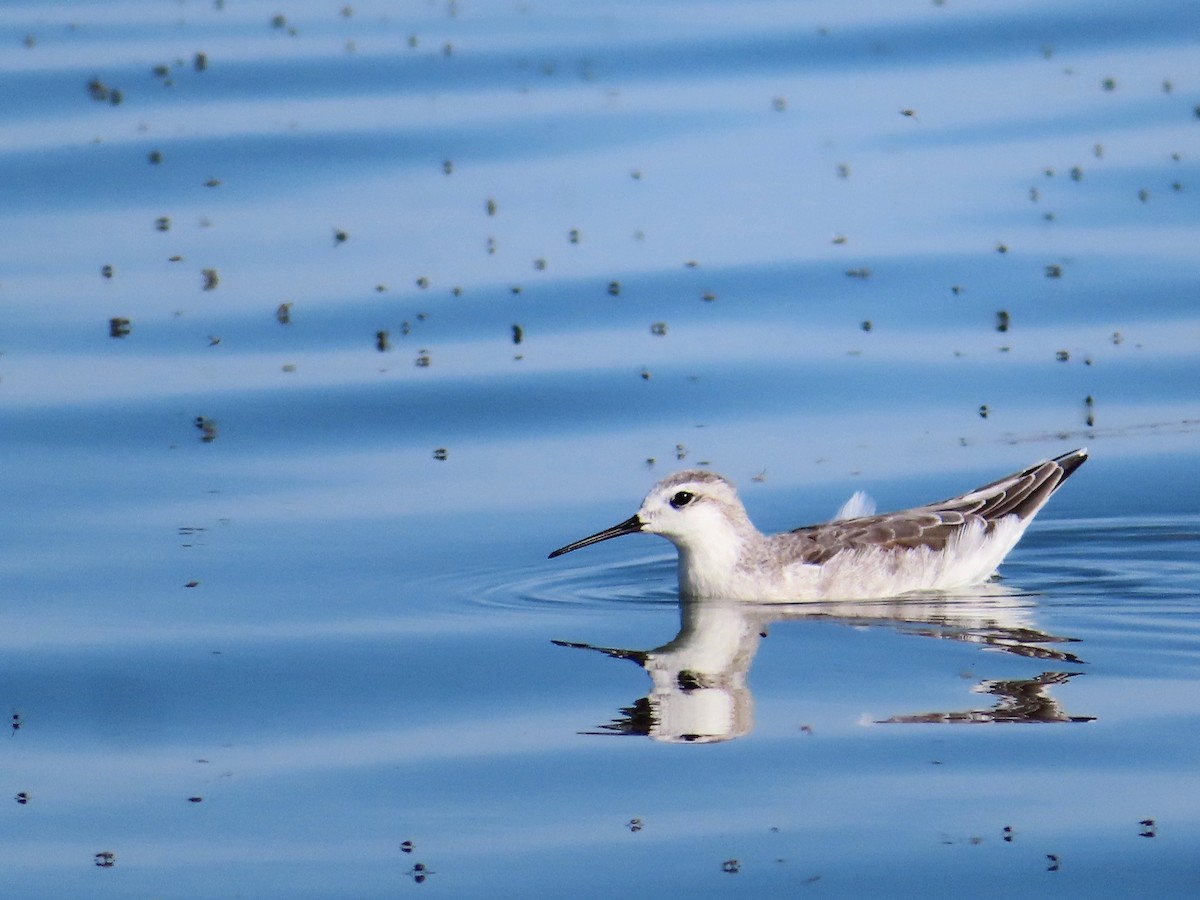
<point x="943" y="546"/>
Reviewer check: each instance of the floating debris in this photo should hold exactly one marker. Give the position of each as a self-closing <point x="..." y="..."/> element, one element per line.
<point x="419" y="872"/>
<point x="1002" y="321"/>
<point x="382" y="343"/>
<point x="118" y="327"/>
<point x="659" y="329"/>
<point x="99" y="91"/>
<point x="208" y="429"/>
<point x="283" y="313"/>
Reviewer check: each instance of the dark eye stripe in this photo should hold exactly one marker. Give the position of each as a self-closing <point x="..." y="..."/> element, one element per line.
<point x="682" y="499"/>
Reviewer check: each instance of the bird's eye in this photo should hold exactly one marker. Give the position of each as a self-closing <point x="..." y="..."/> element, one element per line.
<point x="682" y="499"/>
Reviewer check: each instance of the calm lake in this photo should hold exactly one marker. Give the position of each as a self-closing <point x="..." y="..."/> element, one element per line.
<point x="323" y="323"/>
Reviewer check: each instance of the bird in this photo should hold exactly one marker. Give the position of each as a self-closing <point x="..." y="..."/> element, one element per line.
<point x="947" y="545"/>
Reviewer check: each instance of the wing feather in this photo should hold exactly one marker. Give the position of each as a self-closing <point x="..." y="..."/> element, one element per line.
<point x="934" y="525"/>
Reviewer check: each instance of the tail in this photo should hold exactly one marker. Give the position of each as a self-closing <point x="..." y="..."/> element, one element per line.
<point x="1023" y="493"/>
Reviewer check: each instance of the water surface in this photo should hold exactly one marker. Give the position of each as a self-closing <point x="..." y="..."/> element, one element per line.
<point x="408" y="294"/>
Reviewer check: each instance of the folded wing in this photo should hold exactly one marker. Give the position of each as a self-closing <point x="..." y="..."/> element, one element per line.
<point x="935" y="524"/>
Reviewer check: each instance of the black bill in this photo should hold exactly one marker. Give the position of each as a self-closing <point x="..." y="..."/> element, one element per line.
<point x="629" y="526"/>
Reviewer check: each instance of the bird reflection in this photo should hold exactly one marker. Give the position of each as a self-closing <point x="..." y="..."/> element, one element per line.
<point x="1020" y="700"/>
<point x="700" y="692"/>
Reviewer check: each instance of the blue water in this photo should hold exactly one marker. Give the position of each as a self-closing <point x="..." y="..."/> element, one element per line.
<point x="770" y="238"/>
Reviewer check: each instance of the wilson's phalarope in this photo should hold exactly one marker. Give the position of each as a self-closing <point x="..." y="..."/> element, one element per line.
<point x="941" y="546"/>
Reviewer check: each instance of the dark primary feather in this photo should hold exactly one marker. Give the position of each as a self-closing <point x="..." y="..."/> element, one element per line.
<point x="935" y="524"/>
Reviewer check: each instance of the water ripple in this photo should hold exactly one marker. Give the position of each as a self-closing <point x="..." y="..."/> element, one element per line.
<point x="644" y="582"/>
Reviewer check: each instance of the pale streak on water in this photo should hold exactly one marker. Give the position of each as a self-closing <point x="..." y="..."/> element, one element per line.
<point x="364" y="656"/>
